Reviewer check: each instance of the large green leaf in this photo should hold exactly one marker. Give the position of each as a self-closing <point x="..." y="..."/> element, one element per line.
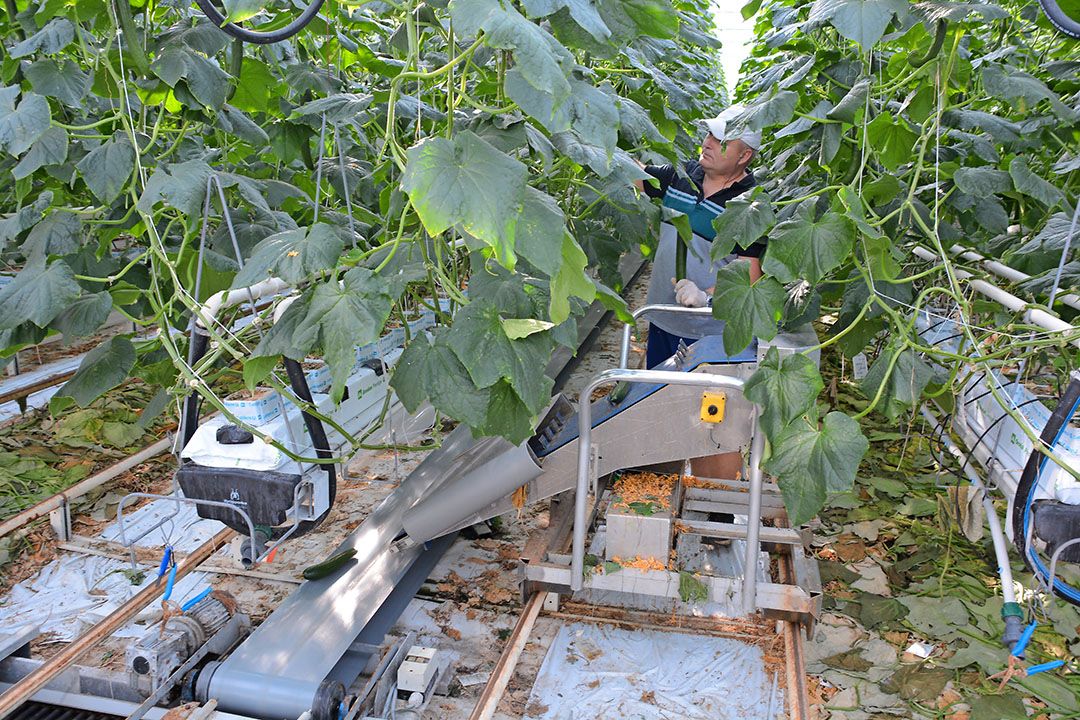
<point x="24" y="218"/>
<point x="465" y="182"/>
<point x="181" y="185"/>
<point x="774" y="108"/>
<point x="903" y="386"/>
<point x="38" y="294"/>
<point x="20" y="126"/>
<point x="240" y="10"/>
<point x="806" y="249"/>
<point x="66" y="81"/>
<point x="852" y="102"/>
<point x="430" y="370"/>
<point x="58" y="234"/>
<point x="49" y="40"/>
<point x="863" y="21"/>
<point x="810" y="462"/>
<point x="1012" y="84"/>
<point x="583" y="12"/>
<point x="1034" y="186"/>
<point x="85" y="316"/>
<point x="103" y="368"/>
<point x="892" y="140"/>
<point x="342" y="315"/>
<point x="539" y="56"/>
<point x="745" y="220"/>
<point x="208" y="83"/>
<point x="337" y="108"/>
<point x="748" y="309"/>
<point x="571" y="280"/>
<point x="480" y="342"/>
<point x="107" y="168"/>
<point x="538" y="236"/>
<point x="507" y="415"/>
<point x="982" y="181"/>
<point x="628" y="19"/>
<point x="784" y="387"/>
<point x="292" y="255"/>
<point x="49" y="149"/>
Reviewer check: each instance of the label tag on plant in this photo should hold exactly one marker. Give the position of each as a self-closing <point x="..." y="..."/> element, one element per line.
<point x="858" y="366"/>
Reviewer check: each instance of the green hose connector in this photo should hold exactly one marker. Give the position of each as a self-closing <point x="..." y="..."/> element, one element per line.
<point x="1011" y="609"/>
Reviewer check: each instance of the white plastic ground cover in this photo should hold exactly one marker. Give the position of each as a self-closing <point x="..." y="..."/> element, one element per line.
<point x="596" y="671"/>
<point x="980" y="411"/>
<point x="73" y="592"/>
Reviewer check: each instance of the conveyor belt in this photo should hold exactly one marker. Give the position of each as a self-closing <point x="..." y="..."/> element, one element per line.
<point x="41" y="711"/>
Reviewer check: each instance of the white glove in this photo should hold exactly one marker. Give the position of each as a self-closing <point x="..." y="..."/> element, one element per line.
<point x="688" y="294"/>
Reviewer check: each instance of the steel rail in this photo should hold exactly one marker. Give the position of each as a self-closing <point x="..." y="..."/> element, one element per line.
<point x="24" y="690"/>
<point x="508" y="660"/>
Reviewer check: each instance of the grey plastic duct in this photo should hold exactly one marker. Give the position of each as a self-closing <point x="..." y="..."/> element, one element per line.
<point x="461" y="500"/>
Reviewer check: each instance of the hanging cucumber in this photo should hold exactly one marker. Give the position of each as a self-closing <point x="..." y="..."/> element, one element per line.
<point x="329" y="565"/>
<point x="935" y="48"/>
<point x="680" y="259"/>
<point x="132" y="42"/>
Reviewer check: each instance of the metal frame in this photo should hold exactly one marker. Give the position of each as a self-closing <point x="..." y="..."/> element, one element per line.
<point x="701" y="380"/>
<point x="624" y="350"/>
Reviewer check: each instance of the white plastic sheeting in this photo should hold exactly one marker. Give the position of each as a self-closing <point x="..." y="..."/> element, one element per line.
<point x="73" y="592"/>
<point x="596" y="672"/>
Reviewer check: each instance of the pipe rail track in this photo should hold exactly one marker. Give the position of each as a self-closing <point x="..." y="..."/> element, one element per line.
<point x="23" y="690"/>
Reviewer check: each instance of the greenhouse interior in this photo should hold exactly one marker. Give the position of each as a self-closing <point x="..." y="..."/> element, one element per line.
<point x="540" y="360"/>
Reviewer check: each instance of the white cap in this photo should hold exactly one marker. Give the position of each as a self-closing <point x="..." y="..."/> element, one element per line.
<point x="718" y="126"/>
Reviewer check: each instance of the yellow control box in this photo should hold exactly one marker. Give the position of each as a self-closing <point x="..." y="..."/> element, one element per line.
<point x="712" y="406"/>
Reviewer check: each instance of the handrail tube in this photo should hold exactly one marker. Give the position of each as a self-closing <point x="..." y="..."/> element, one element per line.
<point x="668" y="377"/>
<point x="1035" y="316"/>
<point x="624" y="351"/>
<point x="208" y="311"/>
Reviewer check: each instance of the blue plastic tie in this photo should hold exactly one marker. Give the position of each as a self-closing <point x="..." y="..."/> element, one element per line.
<point x="165" y="559"/>
<point x="1025" y="638"/>
<point x="1045" y="667"/>
<point x="195" y="600"/>
<point x="169" y="583"/>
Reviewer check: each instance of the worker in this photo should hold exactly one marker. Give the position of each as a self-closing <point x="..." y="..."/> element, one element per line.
<point x="719" y="174"/>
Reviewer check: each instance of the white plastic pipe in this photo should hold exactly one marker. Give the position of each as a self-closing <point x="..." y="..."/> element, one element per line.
<point x="226" y="298"/>
<point x="1034" y="316"/>
<point x="1001" y="548"/>
<point x="1004" y="271"/>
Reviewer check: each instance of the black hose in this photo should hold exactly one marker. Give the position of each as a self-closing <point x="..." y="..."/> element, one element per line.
<point x="1059" y="19"/>
<point x="1025" y="489"/>
<point x="189" y="422"/>
<point x="254" y="36"/>
<point x="318" y="439"/>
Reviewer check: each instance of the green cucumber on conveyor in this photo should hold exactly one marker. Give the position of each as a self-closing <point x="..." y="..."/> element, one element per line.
<point x="329" y="565"/>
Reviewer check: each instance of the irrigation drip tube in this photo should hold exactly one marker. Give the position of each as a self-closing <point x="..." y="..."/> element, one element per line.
<point x="257" y="37"/>
<point x="1029" y="484"/>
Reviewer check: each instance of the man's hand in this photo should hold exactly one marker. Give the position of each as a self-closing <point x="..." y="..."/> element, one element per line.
<point x="688" y="294"/>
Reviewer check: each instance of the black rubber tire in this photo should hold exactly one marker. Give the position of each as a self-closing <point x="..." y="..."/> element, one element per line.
<point x="1059" y="19"/>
